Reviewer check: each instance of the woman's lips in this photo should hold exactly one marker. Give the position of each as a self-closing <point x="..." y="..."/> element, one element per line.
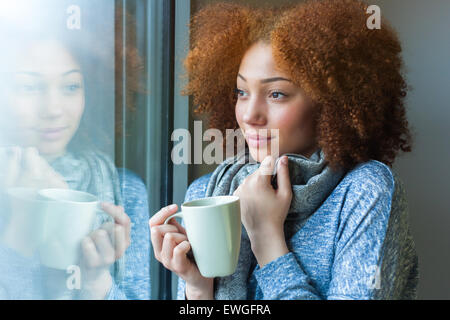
<point x="51" y="134"/>
<point x="255" y="141"/>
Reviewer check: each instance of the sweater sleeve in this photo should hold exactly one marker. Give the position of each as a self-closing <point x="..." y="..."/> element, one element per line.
<point x="135" y="282"/>
<point x="284" y="279"/>
<point x="371" y="260"/>
<point x="375" y="254"/>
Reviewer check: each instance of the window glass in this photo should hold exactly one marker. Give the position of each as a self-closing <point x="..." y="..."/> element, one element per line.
<point x="75" y="133"/>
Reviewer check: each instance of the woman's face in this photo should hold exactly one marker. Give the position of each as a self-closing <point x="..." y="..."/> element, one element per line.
<point x="268" y="100"/>
<point x="46" y="98"/>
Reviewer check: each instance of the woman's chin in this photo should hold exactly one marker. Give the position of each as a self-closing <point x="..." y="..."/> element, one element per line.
<point x="259" y="154"/>
<point x="51" y="151"/>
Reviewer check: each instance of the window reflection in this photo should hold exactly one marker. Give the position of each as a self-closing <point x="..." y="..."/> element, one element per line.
<point x="57" y="105"/>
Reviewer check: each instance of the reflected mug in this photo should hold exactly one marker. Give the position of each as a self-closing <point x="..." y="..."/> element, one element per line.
<point x="70" y="216"/>
<point x="24" y="217"/>
<point x="213" y="228"/>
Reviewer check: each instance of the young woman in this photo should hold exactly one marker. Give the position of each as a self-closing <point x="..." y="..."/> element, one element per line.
<point x="336" y="226"/>
<point x="48" y="99"/>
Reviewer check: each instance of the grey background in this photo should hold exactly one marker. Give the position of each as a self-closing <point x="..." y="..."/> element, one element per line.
<point x="424" y="30"/>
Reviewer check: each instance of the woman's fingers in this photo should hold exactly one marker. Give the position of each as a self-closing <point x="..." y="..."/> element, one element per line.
<point x="161" y="216"/>
<point x="237" y="192"/>
<point x="11" y="161"/>
<point x="55" y="180"/>
<point x="283" y="179"/>
<point x="171" y="240"/>
<point x="265" y="171"/>
<point x="116" y="212"/>
<point x="119" y="216"/>
<point x="114" y="244"/>
<point x="168" y="247"/>
<point x="121" y="241"/>
<point x="104" y="246"/>
<point x="98" y="250"/>
<point x="157" y="236"/>
<point x="32" y="163"/>
<point x="180" y="228"/>
<point x="91" y="257"/>
<point x="27" y="168"/>
<point x="180" y="261"/>
<point x="118" y="236"/>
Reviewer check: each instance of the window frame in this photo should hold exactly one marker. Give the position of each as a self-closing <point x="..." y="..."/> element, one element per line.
<point x="162" y="36"/>
<point x="159" y="110"/>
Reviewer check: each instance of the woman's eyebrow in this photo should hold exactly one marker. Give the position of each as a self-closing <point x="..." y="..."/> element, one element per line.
<point x="71" y="71"/>
<point x="34" y="74"/>
<point x="267" y="80"/>
<point x="37" y="74"/>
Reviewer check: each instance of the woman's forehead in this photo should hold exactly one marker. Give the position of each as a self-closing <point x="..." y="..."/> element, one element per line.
<point x="258" y="64"/>
<point x="47" y="58"/>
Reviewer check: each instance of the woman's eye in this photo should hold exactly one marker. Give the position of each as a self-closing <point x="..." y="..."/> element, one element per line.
<point x="239" y="93"/>
<point x="28" y="88"/>
<point x="277" y="95"/>
<point x="71" y="88"/>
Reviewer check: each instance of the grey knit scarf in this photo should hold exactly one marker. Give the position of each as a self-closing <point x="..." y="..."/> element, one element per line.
<point x="312" y="182"/>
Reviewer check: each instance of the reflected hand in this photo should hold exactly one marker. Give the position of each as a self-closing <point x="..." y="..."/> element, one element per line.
<point x="101" y="249"/>
<point x="26" y="168"/>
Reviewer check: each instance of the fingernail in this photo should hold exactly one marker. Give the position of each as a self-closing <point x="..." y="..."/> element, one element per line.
<point x="284" y="160"/>
<point x="172" y="206"/>
<point x="106" y="205"/>
<point x="267" y="161"/>
<point x="33" y="151"/>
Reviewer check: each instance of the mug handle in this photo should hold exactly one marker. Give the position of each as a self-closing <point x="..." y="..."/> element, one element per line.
<point x="176" y="215"/>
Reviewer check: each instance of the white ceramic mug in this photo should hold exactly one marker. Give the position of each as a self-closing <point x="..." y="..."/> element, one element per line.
<point x="24" y="217"/>
<point x="70" y="216"/>
<point x="213" y="227"/>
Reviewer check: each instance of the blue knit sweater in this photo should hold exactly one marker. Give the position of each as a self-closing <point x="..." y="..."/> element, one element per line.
<point x="357" y="245"/>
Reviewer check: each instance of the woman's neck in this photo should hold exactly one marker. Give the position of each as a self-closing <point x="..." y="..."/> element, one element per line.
<point x="53" y="156"/>
<point x="309" y="151"/>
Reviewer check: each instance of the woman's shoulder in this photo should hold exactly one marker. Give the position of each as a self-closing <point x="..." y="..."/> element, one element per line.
<point x="371" y="187"/>
<point x="197" y="189"/>
<point x="131" y="184"/>
<point x="373" y="176"/>
<point x="134" y="196"/>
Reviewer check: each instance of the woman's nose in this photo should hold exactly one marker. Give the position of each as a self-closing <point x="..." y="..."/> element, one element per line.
<point x="255" y="112"/>
<point x="52" y="106"/>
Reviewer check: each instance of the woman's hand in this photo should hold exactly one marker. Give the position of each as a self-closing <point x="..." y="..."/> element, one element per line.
<point x="101" y="249"/>
<point x="264" y="209"/>
<point x="170" y="245"/>
<point x="26" y="168"/>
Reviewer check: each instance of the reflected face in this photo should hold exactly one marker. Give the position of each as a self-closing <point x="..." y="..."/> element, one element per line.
<point x="46" y="98"/>
<point x="268" y="100"/>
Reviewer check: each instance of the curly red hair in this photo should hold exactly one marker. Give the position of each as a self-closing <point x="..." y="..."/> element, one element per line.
<point x="352" y="74"/>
